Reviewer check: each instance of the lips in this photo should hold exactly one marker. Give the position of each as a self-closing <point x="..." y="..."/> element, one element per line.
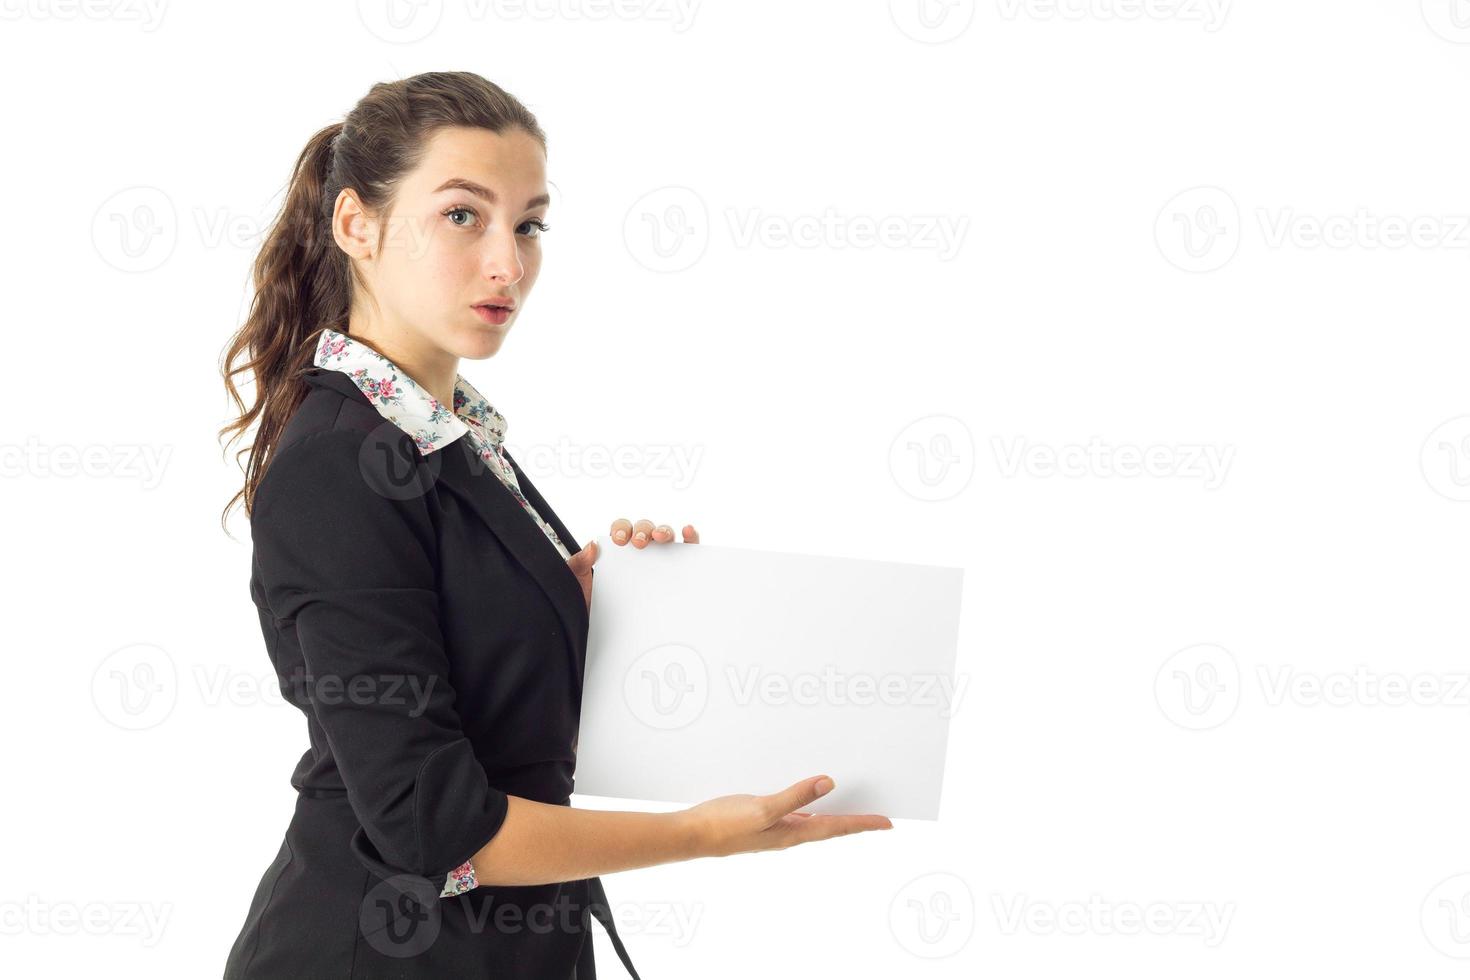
<point x="497" y="315"/>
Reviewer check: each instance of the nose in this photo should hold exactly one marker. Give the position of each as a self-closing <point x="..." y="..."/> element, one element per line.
<point x="503" y="259"/>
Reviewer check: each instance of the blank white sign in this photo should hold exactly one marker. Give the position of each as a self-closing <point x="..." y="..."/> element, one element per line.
<point x="714" y="670"/>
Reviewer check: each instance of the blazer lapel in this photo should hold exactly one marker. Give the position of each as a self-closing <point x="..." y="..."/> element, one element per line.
<point x="471" y="478"/>
<point x="458" y="468"/>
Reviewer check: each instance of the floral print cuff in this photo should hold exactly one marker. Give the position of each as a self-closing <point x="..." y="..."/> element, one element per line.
<point x="460" y="880"/>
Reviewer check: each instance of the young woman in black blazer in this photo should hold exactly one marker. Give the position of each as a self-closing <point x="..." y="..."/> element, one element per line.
<point x="412" y="589"/>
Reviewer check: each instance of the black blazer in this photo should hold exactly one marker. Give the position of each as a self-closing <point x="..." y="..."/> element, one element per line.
<point x="435" y="639"/>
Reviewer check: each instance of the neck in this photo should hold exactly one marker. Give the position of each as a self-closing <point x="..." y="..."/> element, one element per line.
<point x="431" y="368"/>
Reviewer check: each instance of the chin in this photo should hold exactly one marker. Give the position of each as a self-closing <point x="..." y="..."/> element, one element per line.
<point x="483" y="343"/>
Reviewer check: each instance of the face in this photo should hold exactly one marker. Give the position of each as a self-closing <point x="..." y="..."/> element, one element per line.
<point x="464" y="230"/>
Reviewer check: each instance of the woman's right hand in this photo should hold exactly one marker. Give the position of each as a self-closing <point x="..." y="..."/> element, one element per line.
<point x="740" y="823"/>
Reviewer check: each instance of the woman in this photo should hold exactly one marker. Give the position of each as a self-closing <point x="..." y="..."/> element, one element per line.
<point x="418" y="596"/>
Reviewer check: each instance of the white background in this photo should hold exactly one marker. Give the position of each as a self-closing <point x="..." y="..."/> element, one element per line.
<point x="1236" y="229"/>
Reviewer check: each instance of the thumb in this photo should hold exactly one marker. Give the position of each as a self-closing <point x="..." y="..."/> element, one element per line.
<point x="582" y="560"/>
<point x="799" y="794"/>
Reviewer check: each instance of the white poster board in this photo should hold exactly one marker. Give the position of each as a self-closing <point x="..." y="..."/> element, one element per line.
<point x="714" y="670"/>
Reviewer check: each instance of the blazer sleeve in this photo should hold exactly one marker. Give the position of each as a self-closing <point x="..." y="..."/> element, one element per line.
<point x="349" y="553"/>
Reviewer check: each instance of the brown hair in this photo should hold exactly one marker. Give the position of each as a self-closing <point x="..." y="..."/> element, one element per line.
<point x="303" y="282"/>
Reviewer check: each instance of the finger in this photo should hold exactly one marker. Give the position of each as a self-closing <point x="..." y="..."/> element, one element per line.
<point x="641" y="533"/>
<point x="663" y="534"/>
<point x="798" y="795"/>
<point x="691" y="536"/>
<point x="826" y="826"/>
<point x="621" y="530"/>
<point x="582" y="558"/>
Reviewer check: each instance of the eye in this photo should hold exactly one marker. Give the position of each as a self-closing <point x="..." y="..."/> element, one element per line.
<point x="460" y="210"/>
<point x="538" y="224"/>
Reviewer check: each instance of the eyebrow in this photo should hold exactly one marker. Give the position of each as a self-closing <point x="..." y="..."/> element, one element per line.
<point x="481" y="191"/>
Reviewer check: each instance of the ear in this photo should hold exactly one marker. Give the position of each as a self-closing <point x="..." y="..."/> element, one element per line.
<point x="354" y="230"/>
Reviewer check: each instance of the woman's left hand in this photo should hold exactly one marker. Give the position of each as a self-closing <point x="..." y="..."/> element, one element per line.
<point x="640" y="535"/>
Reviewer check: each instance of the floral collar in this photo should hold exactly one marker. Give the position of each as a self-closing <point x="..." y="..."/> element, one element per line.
<point x="400" y="399"/>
